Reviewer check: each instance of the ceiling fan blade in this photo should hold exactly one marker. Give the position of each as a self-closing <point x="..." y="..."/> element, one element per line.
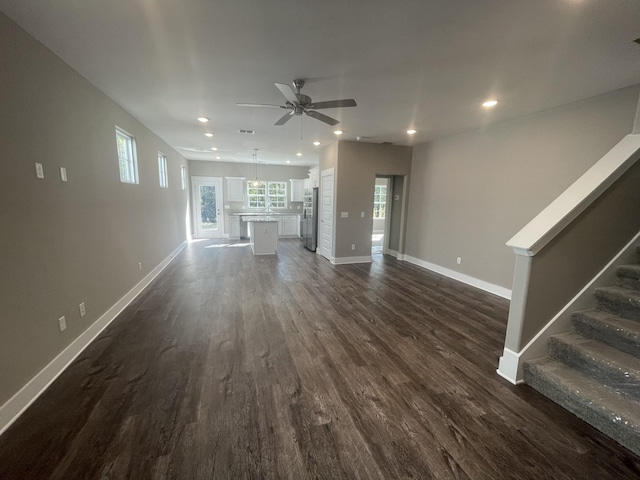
<point x="259" y="105"/>
<point x="288" y="92"/>
<point x="347" y="102"/>
<point x="284" y="119"/>
<point x="322" y="117"/>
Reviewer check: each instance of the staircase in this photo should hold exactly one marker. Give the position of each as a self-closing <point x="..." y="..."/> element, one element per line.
<point x="594" y="371"/>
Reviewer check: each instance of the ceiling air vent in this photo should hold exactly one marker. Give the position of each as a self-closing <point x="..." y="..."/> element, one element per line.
<point x="249" y="132"/>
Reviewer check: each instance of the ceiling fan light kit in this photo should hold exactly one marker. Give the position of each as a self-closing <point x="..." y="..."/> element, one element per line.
<point x="297" y="103"/>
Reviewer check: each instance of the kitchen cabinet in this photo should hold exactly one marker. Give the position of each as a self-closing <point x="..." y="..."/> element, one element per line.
<point x="314" y="177"/>
<point x="288" y="226"/>
<point x="235" y="189"/>
<point x="263" y="233"/>
<point x="297" y="190"/>
<point x="234" y="226"/>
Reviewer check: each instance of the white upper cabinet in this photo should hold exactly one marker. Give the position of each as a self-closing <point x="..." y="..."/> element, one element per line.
<point x="314" y="177"/>
<point x="297" y="190"/>
<point x="235" y="189"/>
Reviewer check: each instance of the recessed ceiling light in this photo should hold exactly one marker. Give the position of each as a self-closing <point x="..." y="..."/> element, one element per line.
<point x="217" y="158"/>
<point x="208" y="134"/>
<point x="316" y="143"/>
<point x="490" y="103"/>
<point x="338" y="132"/>
<point x="299" y="154"/>
<point x="203" y="119"/>
<point x="288" y="161"/>
<point x="411" y="131"/>
<point x="215" y="149"/>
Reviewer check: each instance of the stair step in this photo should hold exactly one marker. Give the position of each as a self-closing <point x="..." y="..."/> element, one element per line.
<point x="610" y="329"/>
<point x="606" y="364"/>
<point x="621" y="301"/>
<point x="613" y="414"/>
<point x="629" y="276"/>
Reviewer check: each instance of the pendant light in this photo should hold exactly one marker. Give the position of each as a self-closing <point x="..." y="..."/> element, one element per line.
<point x="256" y="182"/>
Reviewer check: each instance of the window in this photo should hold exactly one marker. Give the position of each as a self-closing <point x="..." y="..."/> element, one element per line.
<point x="127" y="157"/>
<point x="256" y="195"/>
<point x="272" y="194"/>
<point x="380" y="201"/>
<point x="277" y="193"/>
<point x="162" y="170"/>
<point x="183" y="176"/>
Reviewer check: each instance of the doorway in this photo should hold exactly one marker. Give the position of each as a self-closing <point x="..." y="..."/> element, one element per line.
<point x="381" y="216"/>
<point x="207" y="207"/>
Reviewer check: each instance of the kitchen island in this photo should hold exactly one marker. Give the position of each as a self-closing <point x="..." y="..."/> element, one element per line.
<point x="263" y="234"/>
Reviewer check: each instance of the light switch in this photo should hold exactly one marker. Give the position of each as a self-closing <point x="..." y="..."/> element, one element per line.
<point x="344" y="214"/>
<point x="39" y="170"/>
<point x="63" y="174"/>
<point x="361" y="214"/>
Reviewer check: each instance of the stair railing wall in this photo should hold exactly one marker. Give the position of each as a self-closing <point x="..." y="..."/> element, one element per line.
<point x="568" y="244"/>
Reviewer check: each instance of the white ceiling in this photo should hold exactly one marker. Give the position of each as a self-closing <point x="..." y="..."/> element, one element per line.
<point x="423" y="64"/>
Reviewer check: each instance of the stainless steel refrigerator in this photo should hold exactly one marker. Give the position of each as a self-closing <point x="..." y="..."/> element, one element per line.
<point x="310" y="219"/>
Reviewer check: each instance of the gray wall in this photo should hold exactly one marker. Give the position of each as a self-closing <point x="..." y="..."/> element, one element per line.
<point x="358" y="164"/>
<point x="79" y="241"/>
<point x="471" y="193"/>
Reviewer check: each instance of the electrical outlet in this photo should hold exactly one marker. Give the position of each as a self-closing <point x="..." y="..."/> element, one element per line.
<point x="39" y="170"/>
<point x="82" y="309"/>
<point x="62" y="323"/>
<point x="140" y="266"/>
<point x="459" y="260"/>
<point x="361" y="214"/>
<point x="353" y="246"/>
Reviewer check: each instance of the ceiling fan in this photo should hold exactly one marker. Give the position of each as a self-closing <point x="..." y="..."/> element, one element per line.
<point x="299" y="103"/>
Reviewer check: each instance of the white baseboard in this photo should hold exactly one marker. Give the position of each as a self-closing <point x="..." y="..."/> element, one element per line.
<point x="16" y="405"/>
<point x="345" y="260"/>
<point x="393" y="253"/>
<point x="508" y="366"/>
<point x="461" y="277"/>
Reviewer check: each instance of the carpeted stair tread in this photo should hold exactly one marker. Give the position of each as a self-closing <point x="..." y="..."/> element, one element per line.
<point x="608" y="365"/>
<point x="629" y="276"/>
<point x="619" y="300"/>
<point x="610" y="412"/>
<point x="615" y="331"/>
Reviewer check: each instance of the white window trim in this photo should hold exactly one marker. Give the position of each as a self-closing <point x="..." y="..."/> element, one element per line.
<point x="183" y="176"/>
<point x="131" y="162"/>
<point x="267" y="200"/>
<point x="163" y="175"/>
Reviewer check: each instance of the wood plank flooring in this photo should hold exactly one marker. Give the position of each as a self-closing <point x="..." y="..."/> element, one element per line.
<point x="231" y="366"/>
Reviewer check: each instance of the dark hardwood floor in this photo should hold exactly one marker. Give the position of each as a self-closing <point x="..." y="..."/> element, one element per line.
<point x="232" y="366"/>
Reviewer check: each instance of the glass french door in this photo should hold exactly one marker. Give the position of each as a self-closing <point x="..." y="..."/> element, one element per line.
<point x="207" y="211"/>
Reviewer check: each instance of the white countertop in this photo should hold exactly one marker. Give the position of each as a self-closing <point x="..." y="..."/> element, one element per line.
<point x="262" y="218"/>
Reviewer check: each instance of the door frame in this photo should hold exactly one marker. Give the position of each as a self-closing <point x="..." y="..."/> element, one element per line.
<point x="331" y="254"/>
<point x="196" y="182"/>
<point x="387" y="215"/>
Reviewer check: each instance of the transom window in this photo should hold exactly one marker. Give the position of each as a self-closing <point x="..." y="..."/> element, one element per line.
<point x="127" y="159"/>
<point x="273" y="194"/>
<point x="183" y="176"/>
<point x="380" y="201"/>
<point x="162" y="170"/>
